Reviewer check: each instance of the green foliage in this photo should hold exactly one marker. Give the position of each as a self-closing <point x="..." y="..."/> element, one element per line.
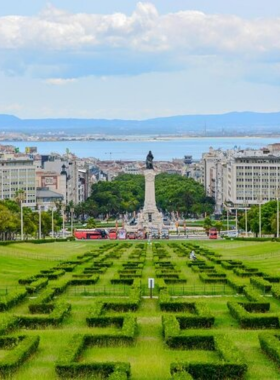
<point x="68" y="367"/>
<point x="261" y="283"/>
<point x="36" y="285"/>
<point x="268" y="218"/>
<point x="91" y="223"/>
<point x="126" y="194"/>
<point x="22" y="348"/>
<point x="12" y="299"/>
<point x="249" y="316"/>
<point x="57" y="312"/>
<point x="7" y="323"/>
<point x="251" y="293"/>
<point x="270" y="344"/>
<point x="232" y="366"/>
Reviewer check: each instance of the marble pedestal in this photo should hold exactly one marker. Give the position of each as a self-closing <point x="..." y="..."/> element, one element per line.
<point x="150" y="217"/>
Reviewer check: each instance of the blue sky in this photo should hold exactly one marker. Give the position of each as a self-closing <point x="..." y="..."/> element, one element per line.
<point x="136" y="60"/>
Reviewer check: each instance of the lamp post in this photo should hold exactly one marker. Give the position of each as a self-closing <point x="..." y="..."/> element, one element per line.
<point x="236" y="221"/>
<point x="21" y="220"/>
<point x="52" y="222"/>
<point x="40" y="222"/>
<point x="63" y="219"/>
<point x="227" y="220"/>
<point x="72" y="212"/>
<point x="260" y="214"/>
<point x="246" y="219"/>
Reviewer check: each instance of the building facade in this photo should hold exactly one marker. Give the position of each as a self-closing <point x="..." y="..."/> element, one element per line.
<point x="18" y="175"/>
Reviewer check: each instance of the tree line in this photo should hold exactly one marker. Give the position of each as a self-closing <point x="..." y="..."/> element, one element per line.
<point x="125" y="194"/>
<point x="10" y="221"/>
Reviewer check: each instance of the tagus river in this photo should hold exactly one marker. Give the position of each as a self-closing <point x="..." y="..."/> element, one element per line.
<point x="137" y="149"/>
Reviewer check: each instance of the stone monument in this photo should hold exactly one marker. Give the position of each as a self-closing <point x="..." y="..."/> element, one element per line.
<point x="150" y="217"/>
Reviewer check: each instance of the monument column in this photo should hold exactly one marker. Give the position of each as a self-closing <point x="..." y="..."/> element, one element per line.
<point x="150" y="216"/>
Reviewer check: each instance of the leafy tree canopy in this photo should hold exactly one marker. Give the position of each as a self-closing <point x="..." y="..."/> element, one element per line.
<point x="126" y="194"/>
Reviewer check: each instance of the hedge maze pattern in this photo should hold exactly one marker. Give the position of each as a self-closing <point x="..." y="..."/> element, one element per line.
<point x="110" y="283"/>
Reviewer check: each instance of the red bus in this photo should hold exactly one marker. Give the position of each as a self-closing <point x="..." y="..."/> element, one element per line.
<point x="213" y="233"/>
<point x="113" y="234"/>
<point x="90" y="234"/>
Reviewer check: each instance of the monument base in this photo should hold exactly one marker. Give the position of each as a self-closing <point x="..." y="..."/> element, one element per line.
<point x="150" y="217"/>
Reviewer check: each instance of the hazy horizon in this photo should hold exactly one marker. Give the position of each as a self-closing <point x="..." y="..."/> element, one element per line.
<point x="138" y="60"/>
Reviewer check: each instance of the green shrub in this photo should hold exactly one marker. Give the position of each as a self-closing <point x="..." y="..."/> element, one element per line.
<point x="252" y="294"/>
<point x="7" y="323"/>
<point x="261" y="283"/>
<point x="68" y="367"/>
<point x="35" y="286"/>
<point x="12" y="299"/>
<point x="252" y="321"/>
<point x="24" y="347"/>
<point x="232" y="364"/>
<point x="55" y="313"/>
<point x="270" y="344"/>
<point x="182" y="376"/>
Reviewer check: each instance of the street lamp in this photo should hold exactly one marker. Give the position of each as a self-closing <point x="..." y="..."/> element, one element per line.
<point x="227" y="220"/>
<point x="246" y="219"/>
<point x="40" y="222"/>
<point x="52" y="209"/>
<point x="72" y="212"/>
<point x="260" y="214"/>
<point x="63" y="219"/>
<point x="236" y="221"/>
<point x="21" y="220"/>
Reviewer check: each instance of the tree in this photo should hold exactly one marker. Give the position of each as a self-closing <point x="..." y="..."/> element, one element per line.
<point x="91" y="223"/>
<point x="125" y="194"/>
<point x="218" y="225"/>
<point x="207" y="224"/>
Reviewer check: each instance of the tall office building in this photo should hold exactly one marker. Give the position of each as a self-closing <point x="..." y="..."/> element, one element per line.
<point x="15" y="175"/>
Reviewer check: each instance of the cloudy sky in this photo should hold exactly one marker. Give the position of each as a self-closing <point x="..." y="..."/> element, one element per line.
<point x="137" y="60"/>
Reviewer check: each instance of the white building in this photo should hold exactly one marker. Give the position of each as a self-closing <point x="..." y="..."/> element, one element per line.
<point x="15" y="175"/>
<point x="244" y="177"/>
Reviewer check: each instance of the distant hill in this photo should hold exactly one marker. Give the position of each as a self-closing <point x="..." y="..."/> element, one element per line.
<point x="229" y="123"/>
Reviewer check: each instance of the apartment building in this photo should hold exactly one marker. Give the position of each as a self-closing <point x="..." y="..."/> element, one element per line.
<point x="252" y="179"/>
<point x="241" y="177"/>
<point x="15" y="175"/>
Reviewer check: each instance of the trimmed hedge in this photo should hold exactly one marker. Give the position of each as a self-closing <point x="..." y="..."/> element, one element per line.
<point x="232" y="364"/>
<point x="182" y="376"/>
<point x="208" y="279"/>
<point x="275" y="290"/>
<point x="51" y="274"/>
<point x="252" y="294"/>
<point x="270" y="344"/>
<point x="12" y="298"/>
<point x="35" y="286"/>
<point x="23" y="348"/>
<point x="199" y="315"/>
<point x="40" y="304"/>
<point x="236" y="284"/>
<point x="68" y="367"/>
<point x="54" y="315"/>
<point x="240" y="311"/>
<point x="83" y="280"/>
<point x="261" y="283"/>
<point x="125" y="336"/>
<point x="7" y="323"/>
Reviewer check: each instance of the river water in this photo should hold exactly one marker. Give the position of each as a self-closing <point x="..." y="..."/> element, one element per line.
<point x="137" y="150"/>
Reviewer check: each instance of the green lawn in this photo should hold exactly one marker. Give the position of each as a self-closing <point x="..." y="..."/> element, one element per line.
<point x="149" y="356"/>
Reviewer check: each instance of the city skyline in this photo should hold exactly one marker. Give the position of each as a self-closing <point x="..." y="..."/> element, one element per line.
<point x="138" y="60"/>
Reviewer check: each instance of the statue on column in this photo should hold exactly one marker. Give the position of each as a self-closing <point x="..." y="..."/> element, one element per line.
<point x="149" y="161"/>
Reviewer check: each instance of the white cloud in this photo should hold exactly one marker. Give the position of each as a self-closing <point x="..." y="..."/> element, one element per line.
<point x="60" y="81"/>
<point x="85" y="44"/>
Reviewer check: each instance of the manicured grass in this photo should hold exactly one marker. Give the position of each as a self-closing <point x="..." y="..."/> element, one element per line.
<point x="149" y="356"/>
